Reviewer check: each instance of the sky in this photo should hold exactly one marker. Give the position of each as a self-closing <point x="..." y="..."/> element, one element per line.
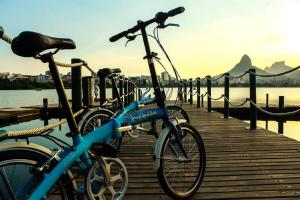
<point x="212" y="37"/>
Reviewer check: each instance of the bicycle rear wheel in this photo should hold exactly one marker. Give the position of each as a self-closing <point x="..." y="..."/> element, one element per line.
<point x="177" y="112"/>
<point x="94" y="120"/>
<point x="179" y="177"/>
<point x="18" y="179"/>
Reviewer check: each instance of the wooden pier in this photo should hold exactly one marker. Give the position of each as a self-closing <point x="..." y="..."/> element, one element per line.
<point x="241" y="163"/>
<point x="17" y="115"/>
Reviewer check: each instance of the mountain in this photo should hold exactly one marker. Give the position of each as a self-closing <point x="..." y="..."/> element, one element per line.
<point x="277" y="67"/>
<point x="244" y="65"/>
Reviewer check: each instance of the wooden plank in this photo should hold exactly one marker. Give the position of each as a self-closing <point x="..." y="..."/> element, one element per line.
<point x="241" y="163"/>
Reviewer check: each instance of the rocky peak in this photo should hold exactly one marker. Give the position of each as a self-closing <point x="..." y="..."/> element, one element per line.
<point x="246" y="61"/>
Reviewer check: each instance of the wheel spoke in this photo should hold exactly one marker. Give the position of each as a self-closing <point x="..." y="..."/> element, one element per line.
<point x="98" y="178"/>
<point x="181" y="176"/>
<point x="112" y="191"/>
<point x="116" y="178"/>
<point x="101" y="195"/>
<point x="7" y="183"/>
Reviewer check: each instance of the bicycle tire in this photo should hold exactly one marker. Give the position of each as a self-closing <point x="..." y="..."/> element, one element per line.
<point x="178" y="111"/>
<point x="193" y="175"/>
<point x="30" y="158"/>
<point x="87" y="123"/>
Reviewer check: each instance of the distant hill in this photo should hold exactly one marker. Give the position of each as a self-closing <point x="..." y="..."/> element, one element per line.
<point x="277" y="67"/>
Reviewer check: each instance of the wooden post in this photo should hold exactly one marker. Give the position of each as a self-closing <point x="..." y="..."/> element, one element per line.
<point x="126" y="91"/>
<point x="180" y="91"/>
<point x="281" y="109"/>
<point x="191" y="91"/>
<point x="114" y="90"/>
<point x="267" y="106"/>
<point x="202" y="100"/>
<point x="226" y="94"/>
<point x="198" y="92"/>
<point x="185" y="90"/>
<point x="208" y="93"/>
<point x="76" y="86"/>
<point x="45" y="111"/>
<point x="87" y="91"/>
<point x="253" y="111"/>
<point x="121" y="86"/>
<point x="140" y="93"/>
<point x="267" y="100"/>
<point x="102" y="88"/>
<point x="130" y="92"/>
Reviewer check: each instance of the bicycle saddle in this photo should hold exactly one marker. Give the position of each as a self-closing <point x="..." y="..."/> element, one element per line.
<point x="108" y="71"/>
<point x="29" y="44"/>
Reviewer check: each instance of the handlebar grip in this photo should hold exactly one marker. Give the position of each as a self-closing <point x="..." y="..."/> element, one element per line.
<point x="118" y="36"/>
<point x="176" y="11"/>
<point x="116" y="70"/>
<point x="1" y="31"/>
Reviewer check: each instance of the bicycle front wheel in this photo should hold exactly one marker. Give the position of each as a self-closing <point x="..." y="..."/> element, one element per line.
<point x="18" y="178"/>
<point x="178" y="176"/>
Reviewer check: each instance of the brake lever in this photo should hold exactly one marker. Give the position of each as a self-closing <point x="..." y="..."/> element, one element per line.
<point x="130" y="38"/>
<point x="166" y="25"/>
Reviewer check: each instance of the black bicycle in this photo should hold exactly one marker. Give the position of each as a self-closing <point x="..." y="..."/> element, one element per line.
<point x="180" y="177"/>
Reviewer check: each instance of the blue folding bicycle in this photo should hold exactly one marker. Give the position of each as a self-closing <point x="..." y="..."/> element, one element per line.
<point x="31" y="171"/>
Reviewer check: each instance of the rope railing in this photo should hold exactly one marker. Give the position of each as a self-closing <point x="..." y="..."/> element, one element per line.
<point x="39" y="130"/>
<point x="236" y="105"/>
<point x="80" y="64"/>
<point x="202" y="79"/>
<point x="196" y="92"/>
<point x="116" y="99"/>
<point x="203" y="94"/>
<point x="215" y="79"/>
<point x="281" y="114"/>
<point x="274" y="75"/>
<point x="239" y="76"/>
<point x="216" y="99"/>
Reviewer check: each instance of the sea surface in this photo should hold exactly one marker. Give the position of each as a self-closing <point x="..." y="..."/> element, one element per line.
<point x="21" y="98"/>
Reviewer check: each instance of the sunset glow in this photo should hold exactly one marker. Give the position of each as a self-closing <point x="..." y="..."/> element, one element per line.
<point x="213" y="34"/>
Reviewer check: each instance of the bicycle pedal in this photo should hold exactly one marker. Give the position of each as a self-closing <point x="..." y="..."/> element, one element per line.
<point x="106" y="150"/>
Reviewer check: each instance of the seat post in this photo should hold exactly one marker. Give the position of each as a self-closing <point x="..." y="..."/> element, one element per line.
<point x="62" y="95"/>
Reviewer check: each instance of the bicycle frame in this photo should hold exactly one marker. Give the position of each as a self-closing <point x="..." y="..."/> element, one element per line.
<point x="105" y="133"/>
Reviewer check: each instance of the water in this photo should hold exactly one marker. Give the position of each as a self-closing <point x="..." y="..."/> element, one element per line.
<point x="19" y="98"/>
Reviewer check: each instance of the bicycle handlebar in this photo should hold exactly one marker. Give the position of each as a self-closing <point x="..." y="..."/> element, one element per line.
<point x="159" y="18"/>
<point x="4" y="37"/>
<point x="176" y="11"/>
